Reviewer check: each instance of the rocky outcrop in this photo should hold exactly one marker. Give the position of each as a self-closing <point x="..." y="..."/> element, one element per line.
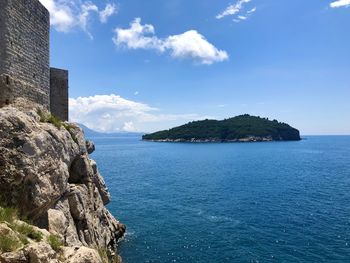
<point x="46" y="172"/>
<point x="82" y="254"/>
<point x="44" y="251"/>
<point x="90" y="147"/>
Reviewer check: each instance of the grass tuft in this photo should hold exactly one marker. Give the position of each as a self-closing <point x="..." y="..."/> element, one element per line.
<point x="8" y="244"/>
<point x="41" y="115"/>
<point x="103" y="255"/>
<point x="49" y="118"/>
<point x="28" y="231"/>
<point x="8" y="214"/>
<point x="55" y="242"/>
<point x="57" y="122"/>
<point x="23" y="239"/>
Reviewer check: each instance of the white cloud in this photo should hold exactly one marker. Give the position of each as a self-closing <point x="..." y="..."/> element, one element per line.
<point x="233" y="9"/>
<point x="237" y="10"/>
<point x="86" y="9"/>
<point x="252" y="10"/>
<point x="109" y="10"/>
<point x="190" y="44"/>
<point x="65" y="15"/>
<point x="61" y="15"/>
<point x="112" y="113"/>
<point x="129" y="127"/>
<point x="138" y="37"/>
<point x="193" y="45"/>
<point x="340" y="3"/>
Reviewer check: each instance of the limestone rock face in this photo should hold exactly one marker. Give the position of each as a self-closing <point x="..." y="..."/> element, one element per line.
<point x="40" y="253"/>
<point x="46" y="172"/>
<point x="90" y="146"/>
<point x="14" y="257"/>
<point x="81" y="255"/>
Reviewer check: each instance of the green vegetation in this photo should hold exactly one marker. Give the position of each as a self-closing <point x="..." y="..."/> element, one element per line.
<point x="49" y="118"/>
<point x="8" y="214"/>
<point x="57" y="122"/>
<point x="106" y="256"/>
<point x="54" y="242"/>
<point x="28" y="231"/>
<point x="233" y="129"/>
<point x="9" y="244"/>
<point x="41" y="114"/>
<point x="103" y="255"/>
<point x="23" y="239"/>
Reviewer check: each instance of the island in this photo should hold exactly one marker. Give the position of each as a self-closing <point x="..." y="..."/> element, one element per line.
<point x="243" y="128"/>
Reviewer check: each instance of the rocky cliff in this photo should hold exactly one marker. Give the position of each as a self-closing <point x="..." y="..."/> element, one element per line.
<point x="47" y="175"/>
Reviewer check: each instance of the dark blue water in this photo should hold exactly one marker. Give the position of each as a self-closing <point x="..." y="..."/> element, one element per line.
<point x="254" y="202"/>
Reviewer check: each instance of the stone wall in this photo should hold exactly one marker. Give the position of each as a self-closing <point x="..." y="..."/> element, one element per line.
<point x="24" y="51"/>
<point x="2" y="36"/>
<point x="11" y="89"/>
<point x="59" y="93"/>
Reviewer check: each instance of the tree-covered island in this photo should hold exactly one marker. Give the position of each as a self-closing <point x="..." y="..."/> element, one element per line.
<point x="243" y="128"/>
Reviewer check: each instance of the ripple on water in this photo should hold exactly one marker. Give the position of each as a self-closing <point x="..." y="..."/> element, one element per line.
<point x="273" y="202"/>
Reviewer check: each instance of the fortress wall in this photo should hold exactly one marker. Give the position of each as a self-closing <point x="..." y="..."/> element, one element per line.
<point x="2" y="33"/>
<point x="3" y="88"/>
<point x="24" y="45"/>
<point x="11" y="89"/>
<point x="59" y="93"/>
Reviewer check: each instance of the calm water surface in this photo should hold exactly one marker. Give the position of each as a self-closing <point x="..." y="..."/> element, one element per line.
<point x="255" y="202"/>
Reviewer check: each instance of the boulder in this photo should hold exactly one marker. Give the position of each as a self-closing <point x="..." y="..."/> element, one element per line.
<point x="100" y="184"/>
<point x="14" y="257"/>
<point x="90" y="146"/>
<point x="81" y="255"/>
<point x="40" y="253"/>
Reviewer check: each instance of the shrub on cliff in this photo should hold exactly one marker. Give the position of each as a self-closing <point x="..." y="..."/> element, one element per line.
<point x="57" y="122"/>
<point x="50" y="118"/>
<point x="8" y="214"/>
<point x="8" y="243"/>
<point x="54" y="242"/>
<point x="28" y="231"/>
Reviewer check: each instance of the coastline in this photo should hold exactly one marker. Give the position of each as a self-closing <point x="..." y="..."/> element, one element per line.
<point x="249" y="139"/>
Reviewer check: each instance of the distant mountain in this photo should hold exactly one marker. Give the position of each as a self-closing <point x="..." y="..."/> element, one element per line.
<point x="243" y="128"/>
<point x="88" y="132"/>
<point x="91" y="133"/>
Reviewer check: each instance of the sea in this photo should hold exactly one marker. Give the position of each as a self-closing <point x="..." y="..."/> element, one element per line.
<point x="230" y="202"/>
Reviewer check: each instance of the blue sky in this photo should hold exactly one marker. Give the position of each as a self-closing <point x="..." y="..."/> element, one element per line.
<point x="150" y="65"/>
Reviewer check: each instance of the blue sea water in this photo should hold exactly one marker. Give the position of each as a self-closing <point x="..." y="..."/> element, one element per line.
<point x="238" y="202"/>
